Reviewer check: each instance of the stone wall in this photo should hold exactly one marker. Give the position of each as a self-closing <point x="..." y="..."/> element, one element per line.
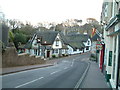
<point x="10" y="58"/>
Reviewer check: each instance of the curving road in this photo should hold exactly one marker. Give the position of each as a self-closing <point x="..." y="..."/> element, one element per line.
<point x="65" y="74"/>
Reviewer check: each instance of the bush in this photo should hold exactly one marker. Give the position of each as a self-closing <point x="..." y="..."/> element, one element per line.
<point x="2" y="46"/>
<point x="63" y="55"/>
<point x="93" y="57"/>
<point x="53" y="56"/>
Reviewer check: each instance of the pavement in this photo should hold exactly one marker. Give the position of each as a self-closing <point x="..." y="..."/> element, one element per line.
<point x="93" y="78"/>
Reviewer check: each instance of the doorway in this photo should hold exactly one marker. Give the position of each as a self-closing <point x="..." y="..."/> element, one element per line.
<point x="48" y="54"/>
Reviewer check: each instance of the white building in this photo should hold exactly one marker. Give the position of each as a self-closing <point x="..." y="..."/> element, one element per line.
<point x="111" y="24"/>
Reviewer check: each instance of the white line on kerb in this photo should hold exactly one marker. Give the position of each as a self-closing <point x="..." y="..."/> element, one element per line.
<point x="29" y="82"/>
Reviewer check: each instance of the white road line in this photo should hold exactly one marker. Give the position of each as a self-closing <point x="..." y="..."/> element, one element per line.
<point x="66" y="68"/>
<point x="29" y="82"/>
<point x="72" y="62"/>
<point x="55" y="72"/>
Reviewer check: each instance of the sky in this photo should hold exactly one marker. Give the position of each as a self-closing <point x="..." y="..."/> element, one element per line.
<point x="36" y="11"/>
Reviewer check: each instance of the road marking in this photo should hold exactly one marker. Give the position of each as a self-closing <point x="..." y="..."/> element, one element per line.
<point x="66" y="68"/>
<point x="55" y="72"/>
<point x="29" y="82"/>
<point x="72" y="62"/>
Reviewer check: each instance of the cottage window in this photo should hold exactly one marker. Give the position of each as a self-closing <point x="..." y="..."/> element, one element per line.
<point x="88" y="42"/>
<point x="53" y="51"/>
<point x="35" y="51"/>
<point x="57" y="43"/>
<point x="56" y="51"/>
<point x="87" y="47"/>
<point x="74" y="49"/>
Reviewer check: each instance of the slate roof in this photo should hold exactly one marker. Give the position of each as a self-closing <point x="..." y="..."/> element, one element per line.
<point x="95" y="37"/>
<point x="77" y="45"/>
<point x="28" y="45"/>
<point x="76" y="40"/>
<point x="78" y="37"/>
<point x="48" y="36"/>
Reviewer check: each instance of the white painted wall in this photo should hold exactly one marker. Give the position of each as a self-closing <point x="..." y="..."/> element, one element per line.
<point x="71" y="51"/>
<point x="60" y="43"/>
<point x="87" y="44"/>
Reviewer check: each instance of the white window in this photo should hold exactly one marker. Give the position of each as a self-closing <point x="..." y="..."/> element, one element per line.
<point x="57" y="42"/>
<point x="88" y="42"/>
<point x="56" y="51"/>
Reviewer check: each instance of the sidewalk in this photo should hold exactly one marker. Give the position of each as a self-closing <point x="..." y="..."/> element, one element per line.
<point x="29" y="67"/>
<point x="94" y="78"/>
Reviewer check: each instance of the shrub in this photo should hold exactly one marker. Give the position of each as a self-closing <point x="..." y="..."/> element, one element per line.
<point x="53" y="56"/>
<point x="63" y="55"/>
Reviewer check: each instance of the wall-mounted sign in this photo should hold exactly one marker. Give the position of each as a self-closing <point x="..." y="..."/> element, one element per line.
<point x="99" y="47"/>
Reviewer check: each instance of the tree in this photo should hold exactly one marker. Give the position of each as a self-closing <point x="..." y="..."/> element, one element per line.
<point x="19" y="38"/>
<point x="11" y="36"/>
<point x="59" y="27"/>
<point x="15" y="25"/>
<point x="4" y="32"/>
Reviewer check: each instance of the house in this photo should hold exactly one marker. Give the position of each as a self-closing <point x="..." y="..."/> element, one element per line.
<point x="78" y="43"/>
<point x="110" y="19"/>
<point x="46" y="44"/>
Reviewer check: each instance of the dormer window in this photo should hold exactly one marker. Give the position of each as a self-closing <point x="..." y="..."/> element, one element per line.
<point x="38" y="40"/>
<point x="88" y="42"/>
<point x="57" y="42"/>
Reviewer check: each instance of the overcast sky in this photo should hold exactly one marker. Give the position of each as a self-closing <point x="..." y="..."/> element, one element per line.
<point x="51" y="10"/>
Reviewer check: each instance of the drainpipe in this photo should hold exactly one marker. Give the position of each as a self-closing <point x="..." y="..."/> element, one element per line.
<point x="118" y="84"/>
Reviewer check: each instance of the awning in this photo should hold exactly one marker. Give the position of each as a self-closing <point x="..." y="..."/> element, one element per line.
<point x="113" y="22"/>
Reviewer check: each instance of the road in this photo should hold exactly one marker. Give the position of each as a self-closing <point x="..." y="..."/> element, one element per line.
<point x="65" y="74"/>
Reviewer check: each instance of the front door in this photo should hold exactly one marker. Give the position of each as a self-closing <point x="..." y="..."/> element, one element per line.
<point x="48" y="54"/>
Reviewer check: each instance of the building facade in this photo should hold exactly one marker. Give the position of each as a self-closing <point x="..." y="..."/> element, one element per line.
<point x="110" y="19"/>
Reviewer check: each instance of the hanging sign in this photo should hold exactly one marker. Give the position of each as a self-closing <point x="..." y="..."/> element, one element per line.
<point x="99" y="45"/>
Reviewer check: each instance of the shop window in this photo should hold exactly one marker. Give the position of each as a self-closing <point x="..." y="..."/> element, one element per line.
<point x="119" y="76"/>
<point x="110" y="58"/>
<point x="114" y="60"/>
